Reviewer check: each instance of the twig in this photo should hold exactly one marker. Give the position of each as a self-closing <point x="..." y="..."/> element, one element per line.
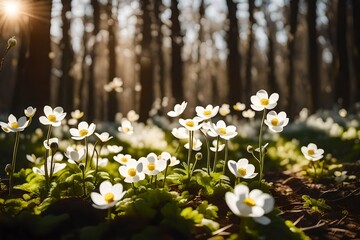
<point x="221" y="230"/>
<point x="318" y="225"/>
<point x="298" y="220"/>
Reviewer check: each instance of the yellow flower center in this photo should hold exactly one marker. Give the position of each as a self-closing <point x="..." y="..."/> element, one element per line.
<point x="311" y="152"/>
<point x="52" y="118"/>
<point x="222" y="131"/>
<point x="109" y="197"/>
<point x="264" y="101"/>
<point x="207" y="112"/>
<point x="242" y="171"/>
<point x="125" y="129"/>
<point x="14" y="125"/>
<point x="151" y="166"/>
<point x="338" y="174"/>
<point x="190" y="123"/>
<point x="124" y="159"/>
<point x="83" y="132"/>
<point x="132" y="172"/>
<point x="249" y="201"/>
<point x="274" y="121"/>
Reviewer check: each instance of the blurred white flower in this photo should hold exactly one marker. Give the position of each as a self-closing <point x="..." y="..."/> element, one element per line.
<point x="248" y="114"/>
<point x="51" y="141"/>
<point x="75" y="156"/>
<point x="196" y="146"/>
<point x="126" y="127"/>
<point x="52" y="117"/>
<point x="180" y="133"/>
<point x="102" y="162"/>
<point x="114" y="148"/>
<point x="206" y="113"/>
<point x="262" y="101"/>
<point x="104" y="137"/>
<point x="32" y="158"/>
<point x="122" y="158"/>
<point x="30" y="112"/>
<point x="340" y="176"/>
<point x="56" y="167"/>
<point x="84" y="130"/>
<point x="224" y="109"/>
<point x="239" y="106"/>
<point x="250" y="204"/>
<point x="132" y="116"/>
<point x="14" y="125"/>
<point x="220" y="129"/>
<point x="242" y="168"/>
<point x="178" y="109"/>
<point x="276" y="122"/>
<point x="190" y="124"/>
<point x="77" y="114"/>
<point x="220" y="146"/>
<point x="312" y="152"/>
<point x="115" y="85"/>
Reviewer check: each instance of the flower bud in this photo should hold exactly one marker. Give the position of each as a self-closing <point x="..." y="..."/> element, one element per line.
<point x="12" y="42"/>
<point x="54" y="146"/>
<point x="82" y="167"/>
<point x="8" y="168"/>
<point x="198" y="156"/>
<point x="250" y="149"/>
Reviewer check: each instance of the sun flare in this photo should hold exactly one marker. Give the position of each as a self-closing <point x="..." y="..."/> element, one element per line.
<point x="11" y="8"/>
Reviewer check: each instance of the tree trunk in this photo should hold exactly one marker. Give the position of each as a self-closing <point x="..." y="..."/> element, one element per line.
<point x="250" y="50"/>
<point x="66" y="85"/>
<point x="146" y="66"/>
<point x="313" y="59"/>
<point x="356" y="52"/>
<point x="176" y="60"/>
<point x="342" y="81"/>
<point x="33" y="77"/>
<point x="294" y="9"/>
<point x="233" y="60"/>
<point x="112" y="98"/>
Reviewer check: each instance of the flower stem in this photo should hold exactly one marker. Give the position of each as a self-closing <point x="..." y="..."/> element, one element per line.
<point x="190" y="151"/>
<point x="165" y="174"/>
<point x="226" y="156"/>
<point x="46" y="155"/>
<point x="261" y="155"/>
<point x="86" y="153"/>
<point x="243" y="226"/>
<point x="108" y="218"/>
<point x="208" y="153"/>
<point x="13" y="163"/>
<point x="84" y="185"/>
<point x="216" y="152"/>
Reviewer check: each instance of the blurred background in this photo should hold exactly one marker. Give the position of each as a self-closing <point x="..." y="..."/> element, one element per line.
<point x="110" y="56"/>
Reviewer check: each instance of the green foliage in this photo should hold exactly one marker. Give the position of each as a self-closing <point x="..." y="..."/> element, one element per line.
<point x="317" y="205"/>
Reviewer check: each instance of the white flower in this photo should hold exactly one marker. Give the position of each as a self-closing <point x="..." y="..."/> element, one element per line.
<point x="132" y="171"/>
<point x="56" y="167"/>
<point x="196" y="146"/>
<point x="261" y="100"/>
<point x="178" y="109"/>
<point x="180" y="133"/>
<point x="242" y="168"/>
<point x="32" y="158"/>
<point x="75" y="156"/>
<point x="51" y="140"/>
<point x="77" y="114"/>
<point x="152" y="165"/>
<point x="14" y="125"/>
<point x="30" y="112"/>
<point x="132" y="116"/>
<point x="220" y="147"/>
<point x="311" y="152"/>
<point x="104" y="137"/>
<point x="126" y="127"/>
<point x="114" y="85"/>
<point x="340" y="176"/>
<point x="102" y="162"/>
<point x="206" y="113"/>
<point x="122" y="158"/>
<point x="239" y="106"/>
<point x="190" y="124"/>
<point x="83" y="130"/>
<point x="52" y="116"/>
<point x="114" y="148"/>
<point x="220" y="129"/>
<point x="276" y="122"/>
<point x="224" y="110"/>
<point x="174" y="161"/>
<point x="250" y="204"/>
<point x="109" y="195"/>
<point x="248" y="114"/>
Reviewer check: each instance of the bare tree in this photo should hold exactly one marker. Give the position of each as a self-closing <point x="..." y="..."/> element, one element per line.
<point x="250" y="50"/>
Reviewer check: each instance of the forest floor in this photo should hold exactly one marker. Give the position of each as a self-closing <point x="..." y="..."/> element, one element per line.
<point x="342" y="221"/>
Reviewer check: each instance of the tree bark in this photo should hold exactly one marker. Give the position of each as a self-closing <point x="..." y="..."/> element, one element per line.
<point x="233" y="60"/>
<point x="250" y="51"/>
<point x="356" y="52"/>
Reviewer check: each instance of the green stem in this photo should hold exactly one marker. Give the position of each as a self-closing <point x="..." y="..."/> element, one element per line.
<point x="226" y="156"/>
<point x="165" y="174"/>
<point x="52" y="166"/>
<point x="86" y="153"/>
<point x="13" y="163"/>
<point x="46" y="155"/>
<point x="243" y="226"/>
<point x="190" y="151"/>
<point x="216" y="152"/>
<point x="314" y="169"/>
<point x="109" y="214"/>
<point x="84" y="185"/>
<point x="261" y="156"/>
<point x="208" y="153"/>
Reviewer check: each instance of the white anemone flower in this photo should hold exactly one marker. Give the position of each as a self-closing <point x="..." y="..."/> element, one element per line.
<point x="32" y="158"/>
<point x="340" y="176"/>
<point x="180" y="133"/>
<point x="132" y="116"/>
<point x="171" y="160"/>
<point x="196" y="145"/>
<point x="239" y="106"/>
<point x="312" y="152"/>
<point x="220" y="129"/>
<point x="104" y="137"/>
<point x="224" y="109"/>
<point x="109" y="195"/>
<point x="276" y="122"/>
<point x="14" y="125"/>
<point x="122" y="158"/>
<point x="220" y="147"/>
<point x="52" y="117"/>
<point x="132" y="171"/>
<point x="174" y="161"/>
<point x="262" y="101"/>
<point x="75" y="156"/>
<point x="152" y="165"/>
<point x="190" y="124"/>
<point x="242" y="168"/>
<point x="126" y="127"/>
<point x="101" y="162"/>
<point x="250" y="204"/>
<point x="84" y="130"/>
<point x="178" y="109"/>
<point x="30" y="112"/>
<point x="114" y="148"/>
<point x="248" y="114"/>
<point x="56" y="167"/>
<point x="77" y="114"/>
<point x="206" y="113"/>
